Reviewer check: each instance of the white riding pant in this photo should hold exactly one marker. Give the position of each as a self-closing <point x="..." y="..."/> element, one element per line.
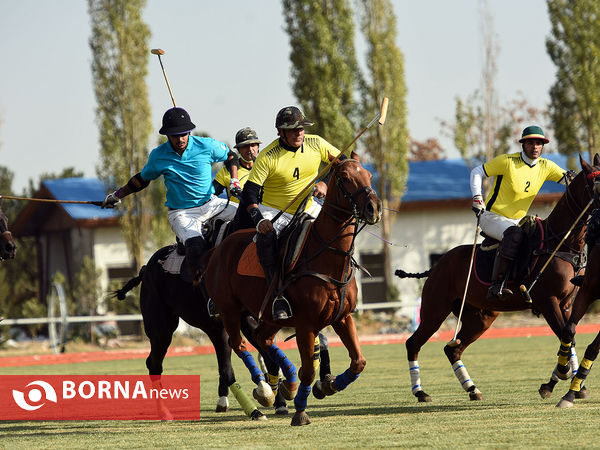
<point x="187" y="223"/>
<point x="284" y="219"/>
<point x="494" y="225"/>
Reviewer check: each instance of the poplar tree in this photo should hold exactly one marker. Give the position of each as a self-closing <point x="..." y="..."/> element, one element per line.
<point x="574" y="47"/>
<point x="119" y="45"/>
<point x="388" y="145"/>
<point x="324" y="68"/>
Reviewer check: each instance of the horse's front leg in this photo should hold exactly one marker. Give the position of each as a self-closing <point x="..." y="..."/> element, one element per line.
<point x="306" y="345"/>
<point x="346" y="330"/>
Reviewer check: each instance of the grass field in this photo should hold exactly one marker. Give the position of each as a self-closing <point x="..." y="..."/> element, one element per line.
<point x="377" y="411"/>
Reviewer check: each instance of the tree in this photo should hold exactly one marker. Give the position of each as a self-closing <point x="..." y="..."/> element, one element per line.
<point x="387" y="145"/>
<point x="574" y="47"/>
<point x="119" y="67"/>
<point x="324" y="67"/>
<point x="427" y="150"/>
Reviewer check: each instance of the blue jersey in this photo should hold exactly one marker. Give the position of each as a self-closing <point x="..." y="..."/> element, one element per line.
<point x="188" y="177"/>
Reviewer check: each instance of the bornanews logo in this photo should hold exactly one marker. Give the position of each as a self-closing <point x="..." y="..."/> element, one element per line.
<point x="99" y="397"/>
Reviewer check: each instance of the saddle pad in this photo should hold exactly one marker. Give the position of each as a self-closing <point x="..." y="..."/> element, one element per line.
<point x="172" y="263"/>
<point x="248" y="264"/>
<point x="299" y="244"/>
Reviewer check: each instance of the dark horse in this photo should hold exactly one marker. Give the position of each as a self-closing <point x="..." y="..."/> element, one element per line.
<point x="8" y="247"/>
<point x="552" y="294"/>
<point x="589" y="292"/>
<point x="166" y="297"/>
<point x="321" y="287"/>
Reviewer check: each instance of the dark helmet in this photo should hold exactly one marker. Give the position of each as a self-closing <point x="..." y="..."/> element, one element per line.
<point x="246" y="136"/>
<point x="291" y="117"/>
<point x="176" y="121"/>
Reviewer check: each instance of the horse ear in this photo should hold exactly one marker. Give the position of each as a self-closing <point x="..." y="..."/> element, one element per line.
<point x="584" y="165"/>
<point x="596" y="160"/>
<point x="355" y="156"/>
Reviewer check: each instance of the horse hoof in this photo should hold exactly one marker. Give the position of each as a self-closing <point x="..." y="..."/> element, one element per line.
<point x="327" y="386"/>
<point x="583" y="393"/>
<point x="423" y="397"/>
<point x="317" y="390"/>
<point x="288" y="390"/>
<point x="300" y="418"/>
<point x="257" y="415"/>
<point x="221" y="408"/>
<point x="544" y="392"/>
<point x="475" y="394"/>
<point x="563" y="372"/>
<point x="281" y="411"/>
<point x="264" y="394"/>
<point x="563" y="403"/>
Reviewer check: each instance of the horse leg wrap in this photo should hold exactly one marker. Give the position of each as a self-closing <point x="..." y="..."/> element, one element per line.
<point x="578" y="380"/>
<point x="573" y="360"/>
<point x="317" y="354"/>
<point x="463" y="376"/>
<point x="564" y="353"/>
<point x="301" y="397"/>
<point x="273" y="381"/>
<point x="241" y="397"/>
<point x="257" y="375"/>
<point x="415" y="376"/>
<point x="342" y="381"/>
<point x="288" y="369"/>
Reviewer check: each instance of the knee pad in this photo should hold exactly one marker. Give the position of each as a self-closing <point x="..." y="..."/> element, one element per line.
<point x="511" y="241"/>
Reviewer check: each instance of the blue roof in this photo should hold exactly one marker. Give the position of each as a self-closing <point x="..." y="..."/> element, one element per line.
<point x="81" y="189"/>
<point x="447" y="179"/>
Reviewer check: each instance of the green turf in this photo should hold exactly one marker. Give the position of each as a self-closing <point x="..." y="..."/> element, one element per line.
<point x="377" y="411"/>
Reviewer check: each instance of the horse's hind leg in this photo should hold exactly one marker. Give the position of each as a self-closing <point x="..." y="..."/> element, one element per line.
<point x="159" y="328"/>
<point x="474" y="323"/>
<point x="218" y="337"/>
<point x="591" y="353"/>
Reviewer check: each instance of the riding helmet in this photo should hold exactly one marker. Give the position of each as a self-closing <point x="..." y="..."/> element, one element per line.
<point x="246" y="136"/>
<point x="176" y="121"/>
<point x="290" y="117"/>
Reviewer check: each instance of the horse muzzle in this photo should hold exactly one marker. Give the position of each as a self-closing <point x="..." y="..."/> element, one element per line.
<point x="371" y="212"/>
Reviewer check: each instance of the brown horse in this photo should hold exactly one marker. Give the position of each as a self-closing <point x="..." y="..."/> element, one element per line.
<point x="552" y="294"/>
<point x="589" y="292"/>
<point x="321" y="288"/>
<point x="8" y="247"/>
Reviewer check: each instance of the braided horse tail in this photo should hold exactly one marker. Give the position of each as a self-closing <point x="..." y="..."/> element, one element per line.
<point x="134" y="282"/>
<point x="402" y="274"/>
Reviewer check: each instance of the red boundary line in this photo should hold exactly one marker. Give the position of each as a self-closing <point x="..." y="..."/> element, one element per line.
<point x="70" y="358"/>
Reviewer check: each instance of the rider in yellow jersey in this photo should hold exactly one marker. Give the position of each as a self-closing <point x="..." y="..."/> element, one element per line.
<point x="281" y="171"/>
<point x="518" y="179"/>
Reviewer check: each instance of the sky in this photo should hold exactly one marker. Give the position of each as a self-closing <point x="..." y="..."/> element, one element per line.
<point x="228" y="66"/>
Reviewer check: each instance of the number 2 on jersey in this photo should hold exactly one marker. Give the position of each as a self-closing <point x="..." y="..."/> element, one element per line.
<point x="527" y="186"/>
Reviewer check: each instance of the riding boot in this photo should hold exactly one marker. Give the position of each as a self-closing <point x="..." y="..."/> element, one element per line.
<point x="499" y="275"/>
<point x="194" y="252"/>
<point x="267" y="252"/>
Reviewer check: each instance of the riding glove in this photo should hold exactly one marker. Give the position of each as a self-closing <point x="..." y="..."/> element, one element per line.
<point x="235" y="188"/>
<point x="111" y="201"/>
<point x="478" y="205"/>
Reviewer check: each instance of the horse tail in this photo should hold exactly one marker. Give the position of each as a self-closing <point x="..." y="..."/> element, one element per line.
<point x="134" y="282"/>
<point x="402" y="274"/>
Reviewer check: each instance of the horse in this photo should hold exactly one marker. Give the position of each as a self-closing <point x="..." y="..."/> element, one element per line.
<point x="8" y="248"/>
<point x="321" y="287"/>
<point x="552" y="295"/>
<point x="166" y="297"/>
<point x="587" y="294"/>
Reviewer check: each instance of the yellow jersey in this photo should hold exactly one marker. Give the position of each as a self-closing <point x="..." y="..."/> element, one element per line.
<point x="283" y="174"/>
<point x="223" y="177"/>
<point x="517" y="183"/>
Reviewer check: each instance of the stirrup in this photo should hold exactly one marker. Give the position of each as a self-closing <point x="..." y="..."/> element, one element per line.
<point x="212" y="308"/>
<point x="281" y="309"/>
<point x="498" y="291"/>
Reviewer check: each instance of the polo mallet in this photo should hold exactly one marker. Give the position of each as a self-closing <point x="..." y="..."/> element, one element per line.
<point x="50" y="200"/>
<point x="526" y="291"/>
<point x="158" y="52"/>
<point x="454" y="342"/>
<point x="379" y="118"/>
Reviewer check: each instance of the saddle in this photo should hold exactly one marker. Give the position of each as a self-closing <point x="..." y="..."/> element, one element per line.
<point x="529" y="251"/>
<point x="291" y="242"/>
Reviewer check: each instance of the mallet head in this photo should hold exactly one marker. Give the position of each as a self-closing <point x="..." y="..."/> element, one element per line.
<point x="157" y="51"/>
